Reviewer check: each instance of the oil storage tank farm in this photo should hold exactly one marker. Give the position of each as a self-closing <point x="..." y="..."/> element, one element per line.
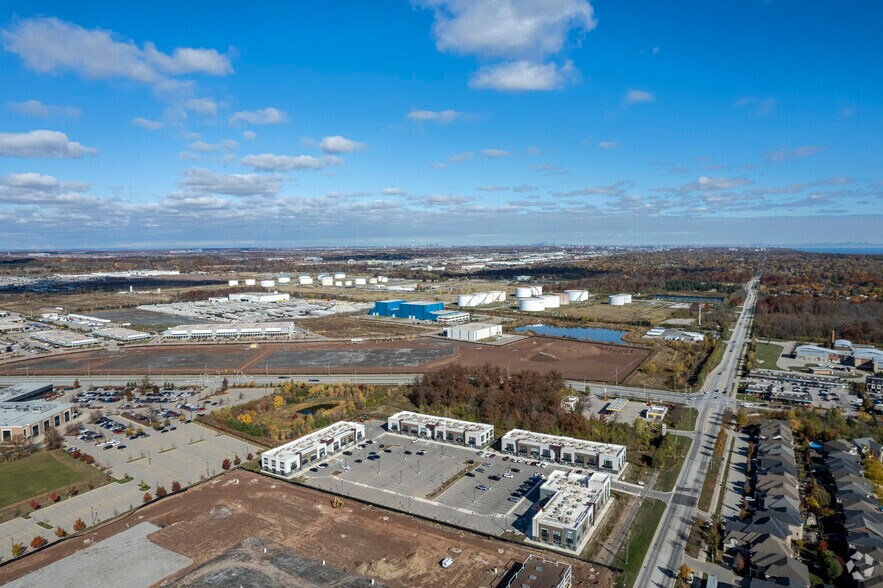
<point x="616" y="300"/>
<point x="551" y="301"/>
<point x="528" y="291"/>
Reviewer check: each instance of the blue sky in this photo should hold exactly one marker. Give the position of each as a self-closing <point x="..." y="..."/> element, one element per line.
<point x="440" y="121"/>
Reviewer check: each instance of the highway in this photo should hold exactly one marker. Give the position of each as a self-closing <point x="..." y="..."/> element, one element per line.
<point x="666" y="553"/>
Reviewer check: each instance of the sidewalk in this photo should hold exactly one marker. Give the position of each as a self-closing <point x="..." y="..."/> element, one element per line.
<point x="724" y="576"/>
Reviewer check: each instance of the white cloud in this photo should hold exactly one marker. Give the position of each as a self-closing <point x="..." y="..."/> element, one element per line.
<point x="338" y="144"/>
<point x="37" y="189"/>
<point x="203" y="181"/>
<point x="442" y="117"/>
<point x="203" y="106"/>
<point x="393" y="191"/>
<point x="706" y="184"/>
<point x="508" y="28"/>
<point x="145" y="123"/>
<point x="460" y="157"/>
<point x="262" y="116"/>
<point x="533" y="150"/>
<point x="635" y="96"/>
<point x="607" y="145"/>
<point x="49" y="45"/>
<point x="439" y="165"/>
<point x="782" y="155"/>
<point x="492" y="188"/>
<point x="495" y="153"/>
<point x="203" y="147"/>
<point x="40" y="110"/>
<point x="523" y="76"/>
<point x="194" y="202"/>
<point x="50" y="144"/>
<point x="249" y="135"/>
<point x="445" y="200"/>
<point x="271" y="162"/>
<point x="655" y="50"/>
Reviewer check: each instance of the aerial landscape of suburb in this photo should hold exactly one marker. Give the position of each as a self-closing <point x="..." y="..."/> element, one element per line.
<point x="441" y="293"/>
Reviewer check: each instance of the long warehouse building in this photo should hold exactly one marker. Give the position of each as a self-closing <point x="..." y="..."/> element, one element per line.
<point x="441" y="428"/>
<point x="605" y="457"/>
<point x="230" y="330"/>
<point x="286" y="460"/>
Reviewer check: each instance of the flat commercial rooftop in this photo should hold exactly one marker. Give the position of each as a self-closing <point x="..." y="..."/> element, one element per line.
<point x="17" y="414"/>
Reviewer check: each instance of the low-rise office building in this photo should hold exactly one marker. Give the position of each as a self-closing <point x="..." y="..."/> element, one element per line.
<point x="64" y="338"/>
<point x="286" y="460"/>
<point x="538" y="572"/>
<point x="230" y="330"/>
<point x="571" y="505"/>
<point x="473" y="332"/>
<point x="441" y="428"/>
<point x="122" y="334"/>
<point x="605" y="457"/>
<point x="23" y="414"/>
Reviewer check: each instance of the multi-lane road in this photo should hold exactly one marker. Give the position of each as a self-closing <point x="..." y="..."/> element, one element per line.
<point x="666" y="553"/>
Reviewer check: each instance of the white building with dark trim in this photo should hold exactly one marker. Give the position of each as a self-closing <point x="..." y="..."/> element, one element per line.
<point x="441" y="429"/>
<point x="286" y="460"/>
<point x="24" y="414"/>
<point x="570" y="508"/>
<point x="604" y="457"/>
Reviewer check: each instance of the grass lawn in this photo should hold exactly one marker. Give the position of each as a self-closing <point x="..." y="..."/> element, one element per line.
<point x="41" y="473"/>
<point x="682" y="417"/>
<point x="643" y="529"/>
<point x="767" y="354"/>
<point x="709" y="483"/>
<point x="667" y="478"/>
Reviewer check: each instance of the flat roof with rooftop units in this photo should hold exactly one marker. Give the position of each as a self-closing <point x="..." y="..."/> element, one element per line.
<point x="121" y="334"/>
<point x="64" y="338"/>
<point x="220" y="331"/>
<point x="573" y="508"/>
<point x="441" y="428"/>
<point x="567" y="450"/>
<point x="538" y="572"/>
<point x="286" y="460"/>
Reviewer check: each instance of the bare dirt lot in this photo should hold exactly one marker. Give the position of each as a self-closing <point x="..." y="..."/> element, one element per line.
<point x="345" y="327"/>
<point x="224" y="524"/>
<point x="575" y="359"/>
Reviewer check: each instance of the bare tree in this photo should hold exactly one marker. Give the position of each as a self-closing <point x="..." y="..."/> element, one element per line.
<point x="52" y="438"/>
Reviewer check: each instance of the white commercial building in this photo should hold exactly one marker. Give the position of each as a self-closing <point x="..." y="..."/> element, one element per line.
<point x="64" y="338"/>
<point x="259" y="297"/>
<point x="305" y="280"/>
<point x="232" y="282"/>
<point x="473" y="332"/>
<point x="250" y="282"/>
<point x="283" y="279"/>
<point x="286" y="460"/>
<point x="122" y="334"/>
<point x="441" y="428"/>
<point x="452" y="317"/>
<point x="566" y="450"/>
<point x="230" y="330"/>
<point x="268" y="283"/>
<point x="572" y="508"/>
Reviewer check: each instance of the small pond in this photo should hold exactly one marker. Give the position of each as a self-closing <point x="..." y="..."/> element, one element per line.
<point x="581" y="333"/>
<point x="317" y="407"/>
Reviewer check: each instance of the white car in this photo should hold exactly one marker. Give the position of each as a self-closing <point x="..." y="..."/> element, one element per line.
<point x="346" y="467"/>
<point x="446" y="562"/>
<point x="508" y="475"/>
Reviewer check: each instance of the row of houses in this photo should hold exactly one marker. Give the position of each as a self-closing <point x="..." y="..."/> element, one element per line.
<point x="765" y="541"/>
<point x="860" y="511"/>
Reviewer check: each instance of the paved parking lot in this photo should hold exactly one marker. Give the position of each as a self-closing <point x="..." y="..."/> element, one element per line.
<point x="440" y="484"/>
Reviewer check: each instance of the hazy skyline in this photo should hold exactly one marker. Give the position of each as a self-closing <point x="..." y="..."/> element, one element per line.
<point x="440" y="121"/>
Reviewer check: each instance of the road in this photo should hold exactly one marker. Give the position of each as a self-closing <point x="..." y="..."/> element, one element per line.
<point x="666" y="553"/>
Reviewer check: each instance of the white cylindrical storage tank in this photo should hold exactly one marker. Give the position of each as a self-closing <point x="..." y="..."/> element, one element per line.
<point x="339" y="276"/>
<point x="338" y="283"/>
<point x="537" y="290"/>
<point x="250" y="282"/>
<point x="577" y="295"/>
<point x="360" y="281"/>
<point x="464" y="300"/>
<point x="616" y="300"/>
<point x="531" y="304"/>
<point x="523" y="292"/>
<point x="233" y="282"/>
<point x="563" y="299"/>
<point x="372" y="280"/>
<point x="551" y="300"/>
<point x="284" y="280"/>
<point x="627" y="298"/>
<point x="268" y="283"/>
<point x="327" y="281"/>
<point x="497" y="296"/>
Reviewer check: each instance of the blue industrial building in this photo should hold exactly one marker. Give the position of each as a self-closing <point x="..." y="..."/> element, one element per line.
<point x="421" y="310"/>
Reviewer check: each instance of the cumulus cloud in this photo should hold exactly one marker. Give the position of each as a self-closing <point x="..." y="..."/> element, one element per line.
<point x="706" y="184"/>
<point x="393" y="191"/>
<point x="523" y="33"/>
<point x="50" y="45"/>
<point x="634" y="96"/>
<point x="249" y="135"/>
<point x="262" y="116"/>
<point x="492" y="188"/>
<point x="441" y="117"/>
<point x="460" y="157"/>
<point x="203" y="147"/>
<point x="145" y="123"/>
<point x="272" y="162"/>
<point x="523" y="76"/>
<point x="338" y="144"/>
<point x="495" y="153"/>
<point x="203" y="107"/>
<point x="42" y="143"/>
<point x="37" y="189"/>
<point x="608" y="145"/>
<point x="445" y="200"/>
<point x="40" y="110"/>
<point x="204" y="181"/>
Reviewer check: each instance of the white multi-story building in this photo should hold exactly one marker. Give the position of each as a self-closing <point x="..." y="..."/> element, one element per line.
<point x="286" y="460"/>
<point x="441" y="428"/>
<point x="572" y="508"/>
<point x="605" y="457"/>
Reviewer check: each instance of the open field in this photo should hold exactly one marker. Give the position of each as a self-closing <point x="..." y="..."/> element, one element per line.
<point x="767" y="354"/>
<point x="653" y="311"/>
<point x="219" y="525"/>
<point x="575" y="359"/>
<point x="345" y="327"/>
<point x="631" y="555"/>
<point x="41" y="473"/>
<point x="668" y="476"/>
